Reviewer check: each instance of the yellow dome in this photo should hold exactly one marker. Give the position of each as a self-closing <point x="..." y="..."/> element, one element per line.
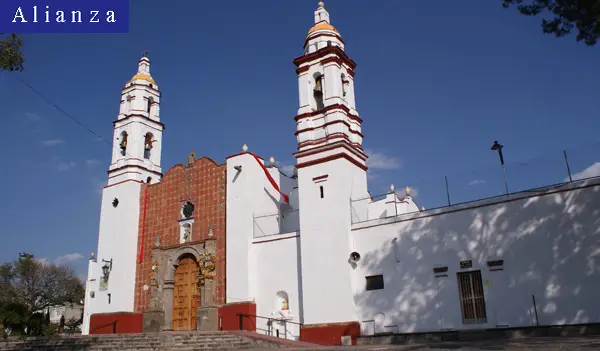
<point x="143" y="76"/>
<point x="322" y="26"/>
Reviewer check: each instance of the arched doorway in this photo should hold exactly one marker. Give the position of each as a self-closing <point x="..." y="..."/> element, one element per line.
<point x="186" y="297"/>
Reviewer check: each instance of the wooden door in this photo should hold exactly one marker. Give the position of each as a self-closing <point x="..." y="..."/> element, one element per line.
<point x="186" y="297"/>
<point x="472" y="299"/>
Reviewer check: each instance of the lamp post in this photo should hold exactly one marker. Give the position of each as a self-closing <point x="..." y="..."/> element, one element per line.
<point x="498" y="147"/>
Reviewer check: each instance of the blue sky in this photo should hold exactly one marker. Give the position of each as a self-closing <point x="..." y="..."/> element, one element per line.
<point x="435" y="86"/>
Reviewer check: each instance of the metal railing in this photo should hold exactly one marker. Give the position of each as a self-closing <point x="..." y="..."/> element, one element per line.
<point x="276" y="223"/>
<point x="548" y="170"/>
<point x="270" y="321"/>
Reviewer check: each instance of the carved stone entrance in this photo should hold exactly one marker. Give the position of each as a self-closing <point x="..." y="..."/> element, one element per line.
<point x="182" y="288"/>
<point x="186" y="297"/>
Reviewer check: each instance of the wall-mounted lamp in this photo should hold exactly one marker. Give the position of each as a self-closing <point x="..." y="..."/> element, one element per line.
<point x="106" y="268"/>
<point x="238" y="168"/>
<point x="354" y="257"/>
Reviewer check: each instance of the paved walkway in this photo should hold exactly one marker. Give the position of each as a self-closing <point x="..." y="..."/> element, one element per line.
<point x="545" y="343"/>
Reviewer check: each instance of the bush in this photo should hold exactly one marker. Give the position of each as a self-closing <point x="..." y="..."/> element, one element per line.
<point x="73" y="325"/>
<point x="50" y="329"/>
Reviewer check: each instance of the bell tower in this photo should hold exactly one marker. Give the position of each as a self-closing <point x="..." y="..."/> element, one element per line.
<point x="136" y="155"/>
<point x="138" y="130"/>
<point x="332" y="169"/>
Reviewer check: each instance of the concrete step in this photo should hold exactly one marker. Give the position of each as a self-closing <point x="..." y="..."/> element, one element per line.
<point x="156" y="342"/>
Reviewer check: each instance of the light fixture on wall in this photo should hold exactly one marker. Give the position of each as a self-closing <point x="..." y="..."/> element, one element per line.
<point x="354" y="257"/>
<point x="106" y="268"/>
<point x="238" y="168"/>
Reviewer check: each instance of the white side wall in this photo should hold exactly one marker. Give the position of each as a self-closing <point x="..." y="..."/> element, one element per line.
<point x="550" y="245"/>
<point x="118" y="239"/>
<point x="276" y="270"/>
<point x="250" y="195"/>
<point x="325" y="243"/>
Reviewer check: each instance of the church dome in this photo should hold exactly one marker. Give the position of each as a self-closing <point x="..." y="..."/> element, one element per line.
<point x="322" y="26"/>
<point x="143" y="76"/>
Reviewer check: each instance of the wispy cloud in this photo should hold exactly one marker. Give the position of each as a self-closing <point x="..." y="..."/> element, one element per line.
<point x="98" y="185"/>
<point x="68" y="258"/>
<point x="380" y="161"/>
<point x="31" y="116"/>
<point x="53" y="142"/>
<point x="477" y="182"/>
<point x="591" y="171"/>
<point x="65" y="166"/>
<point x="92" y="162"/>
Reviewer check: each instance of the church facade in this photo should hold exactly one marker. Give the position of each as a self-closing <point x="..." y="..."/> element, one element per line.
<point x="312" y="255"/>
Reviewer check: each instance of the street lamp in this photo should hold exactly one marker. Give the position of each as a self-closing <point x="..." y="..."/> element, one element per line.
<point x="498" y="147"/>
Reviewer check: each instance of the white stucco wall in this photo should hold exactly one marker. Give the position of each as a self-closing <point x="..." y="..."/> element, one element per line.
<point x="253" y="210"/>
<point x="276" y="270"/>
<point x="117" y="240"/>
<point x="325" y="243"/>
<point x="550" y="245"/>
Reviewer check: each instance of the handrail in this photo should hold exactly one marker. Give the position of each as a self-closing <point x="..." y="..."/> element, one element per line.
<point x="113" y="323"/>
<point x="269" y="322"/>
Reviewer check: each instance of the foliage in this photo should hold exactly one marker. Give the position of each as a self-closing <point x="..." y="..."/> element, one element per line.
<point x="73" y="325"/>
<point x="565" y="15"/>
<point x="11" y="56"/>
<point x="28" y="287"/>
<point x="50" y="329"/>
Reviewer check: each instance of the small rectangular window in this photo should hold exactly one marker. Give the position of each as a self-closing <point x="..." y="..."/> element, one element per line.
<point x="322" y="192"/>
<point x="374" y="282"/>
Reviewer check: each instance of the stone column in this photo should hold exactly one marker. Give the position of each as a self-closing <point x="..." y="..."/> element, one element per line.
<point x="168" y="287"/>
<point x="207" y="316"/>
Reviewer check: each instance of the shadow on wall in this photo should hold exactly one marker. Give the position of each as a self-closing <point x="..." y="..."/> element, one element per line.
<point x="550" y="246"/>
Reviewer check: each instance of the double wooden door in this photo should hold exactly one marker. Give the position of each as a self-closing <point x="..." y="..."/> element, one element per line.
<point x="186" y="297"/>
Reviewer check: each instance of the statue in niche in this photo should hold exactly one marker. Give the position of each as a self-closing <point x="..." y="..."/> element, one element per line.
<point x="210" y="230"/>
<point x="186" y="234"/>
<point x="284" y="305"/>
<point x="157" y="242"/>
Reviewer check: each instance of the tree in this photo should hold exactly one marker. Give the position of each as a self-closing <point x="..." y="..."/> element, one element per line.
<point x="565" y="15"/>
<point x="11" y="56"/>
<point x="28" y="286"/>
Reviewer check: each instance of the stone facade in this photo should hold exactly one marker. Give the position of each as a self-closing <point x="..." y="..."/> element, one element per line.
<point x="158" y="316"/>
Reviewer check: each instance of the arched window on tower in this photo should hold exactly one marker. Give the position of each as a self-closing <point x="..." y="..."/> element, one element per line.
<point x="148" y="145"/>
<point x="149" y="106"/>
<point x="344" y="83"/>
<point x="123" y="143"/>
<point x="328" y="42"/>
<point x="318" y="91"/>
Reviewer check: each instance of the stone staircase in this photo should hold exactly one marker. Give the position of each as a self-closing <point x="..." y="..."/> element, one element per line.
<point x="186" y="341"/>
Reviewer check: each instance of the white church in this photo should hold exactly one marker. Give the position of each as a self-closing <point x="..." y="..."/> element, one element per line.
<point x="314" y="247"/>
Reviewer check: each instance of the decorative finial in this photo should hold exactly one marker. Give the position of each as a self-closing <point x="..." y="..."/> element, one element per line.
<point x="145" y="54"/>
<point x="245" y="148"/>
<point x="407" y="191"/>
<point x="272" y="160"/>
<point x="422" y="208"/>
<point x="392" y="188"/>
<point x="321" y="4"/>
<point x="210" y="230"/>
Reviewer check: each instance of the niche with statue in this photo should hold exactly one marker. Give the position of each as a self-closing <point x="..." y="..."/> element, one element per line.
<point x="282" y="306"/>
